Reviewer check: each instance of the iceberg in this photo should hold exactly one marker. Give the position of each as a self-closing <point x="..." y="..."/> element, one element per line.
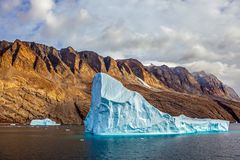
<point x="115" y="110"/>
<point x="43" y="122"/>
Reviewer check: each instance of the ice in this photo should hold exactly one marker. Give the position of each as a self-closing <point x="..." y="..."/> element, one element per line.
<point x="43" y="122"/>
<point x="115" y="110"/>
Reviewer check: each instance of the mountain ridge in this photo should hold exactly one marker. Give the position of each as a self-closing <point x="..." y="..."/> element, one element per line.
<point x="200" y="83"/>
<point x="38" y="81"/>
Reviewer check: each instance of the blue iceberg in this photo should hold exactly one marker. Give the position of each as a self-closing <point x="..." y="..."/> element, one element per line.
<point x="43" y="122"/>
<point x="115" y="110"/>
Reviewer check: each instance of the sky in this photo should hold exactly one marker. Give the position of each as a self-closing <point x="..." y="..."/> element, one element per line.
<point x="196" y="34"/>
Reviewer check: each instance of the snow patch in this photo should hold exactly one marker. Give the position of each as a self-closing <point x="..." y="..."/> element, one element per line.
<point x="143" y="83"/>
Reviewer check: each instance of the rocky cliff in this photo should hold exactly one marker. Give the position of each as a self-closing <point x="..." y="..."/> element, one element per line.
<point x="38" y="81"/>
<point x="199" y="83"/>
<point x="211" y="85"/>
<point x="178" y="79"/>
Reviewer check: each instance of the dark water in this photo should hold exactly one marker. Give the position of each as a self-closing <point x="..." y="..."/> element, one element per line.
<point x="70" y="143"/>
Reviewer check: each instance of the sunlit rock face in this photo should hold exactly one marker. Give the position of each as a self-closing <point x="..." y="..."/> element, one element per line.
<point x="43" y="122"/>
<point x="115" y="110"/>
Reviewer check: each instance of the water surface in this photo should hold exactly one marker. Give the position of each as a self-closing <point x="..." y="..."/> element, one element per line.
<point x="70" y="143"/>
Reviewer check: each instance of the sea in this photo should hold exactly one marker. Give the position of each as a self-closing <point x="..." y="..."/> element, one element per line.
<point x="71" y="143"/>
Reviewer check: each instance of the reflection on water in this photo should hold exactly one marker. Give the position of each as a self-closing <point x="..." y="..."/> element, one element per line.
<point x="70" y="143"/>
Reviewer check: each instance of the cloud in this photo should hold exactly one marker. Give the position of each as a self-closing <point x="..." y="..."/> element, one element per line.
<point x="192" y="33"/>
<point x="199" y="52"/>
<point x="8" y="5"/>
<point x="158" y="63"/>
<point x="41" y="11"/>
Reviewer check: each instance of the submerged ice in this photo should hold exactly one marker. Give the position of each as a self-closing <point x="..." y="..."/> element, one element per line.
<point x="115" y="110"/>
<point x="43" y="122"/>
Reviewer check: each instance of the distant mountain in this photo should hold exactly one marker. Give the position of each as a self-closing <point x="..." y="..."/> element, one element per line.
<point x="200" y="83"/>
<point x="211" y="85"/>
<point x="38" y="81"/>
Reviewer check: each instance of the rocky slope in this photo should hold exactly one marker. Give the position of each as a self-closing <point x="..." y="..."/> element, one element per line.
<point x="199" y="83"/>
<point x="178" y="79"/>
<point x="211" y="85"/>
<point x="39" y="81"/>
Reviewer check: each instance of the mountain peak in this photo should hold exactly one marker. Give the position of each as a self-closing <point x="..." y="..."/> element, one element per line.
<point x="17" y="41"/>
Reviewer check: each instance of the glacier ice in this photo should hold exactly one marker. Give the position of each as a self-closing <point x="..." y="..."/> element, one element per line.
<point x="43" y="122"/>
<point x="115" y="110"/>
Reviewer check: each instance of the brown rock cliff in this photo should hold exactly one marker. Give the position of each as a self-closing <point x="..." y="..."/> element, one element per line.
<point x="38" y="81"/>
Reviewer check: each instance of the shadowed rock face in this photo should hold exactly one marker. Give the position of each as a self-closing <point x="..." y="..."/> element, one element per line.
<point x="38" y="81"/>
<point x="178" y="79"/>
<point x="138" y="70"/>
<point x="211" y="85"/>
<point x="199" y="83"/>
<point x="71" y="58"/>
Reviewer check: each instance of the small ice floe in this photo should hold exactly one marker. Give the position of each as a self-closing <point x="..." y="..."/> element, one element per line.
<point x="67" y="130"/>
<point x="43" y="122"/>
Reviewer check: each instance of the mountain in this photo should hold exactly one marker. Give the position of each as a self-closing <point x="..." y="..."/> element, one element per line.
<point x="178" y="78"/>
<point x="211" y="85"/>
<point x="199" y="83"/>
<point x="39" y="81"/>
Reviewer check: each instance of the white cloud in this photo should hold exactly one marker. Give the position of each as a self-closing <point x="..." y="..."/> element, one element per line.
<point x="84" y="15"/>
<point x="40" y="10"/>
<point x="8" y="5"/>
<point x="191" y="33"/>
<point x="199" y="52"/>
<point x="157" y="63"/>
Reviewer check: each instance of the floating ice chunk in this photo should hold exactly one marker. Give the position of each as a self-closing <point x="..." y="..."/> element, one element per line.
<point x="43" y="122"/>
<point x="115" y="110"/>
<point x="67" y="130"/>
